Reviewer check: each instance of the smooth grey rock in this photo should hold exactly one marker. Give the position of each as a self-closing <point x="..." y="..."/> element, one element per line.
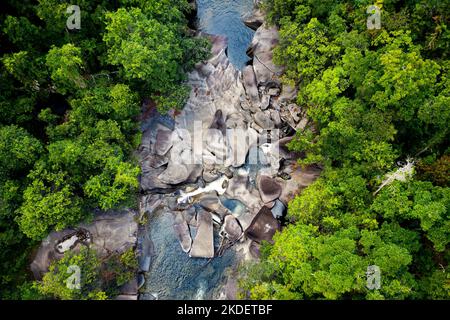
<point x="218" y="122"/>
<point x="154" y="161"/>
<point x="130" y="288"/>
<point x="211" y="202"/>
<point x="239" y="142"/>
<point x="111" y="231"/>
<point x="210" y="175"/>
<point x="232" y="228"/>
<point x="236" y="121"/>
<point x="265" y="102"/>
<point x="182" y="231"/>
<point x="273" y="91"/>
<point x="141" y="281"/>
<point x="163" y="142"/>
<point x="269" y="188"/>
<point x="270" y="204"/>
<point x="255" y="250"/>
<point x="144" y="263"/>
<point x="203" y="245"/>
<point x="205" y="69"/>
<point x="255" y="20"/>
<point x="263" y="66"/>
<point x="239" y="188"/>
<point x="278" y="209"/>
<point x="190" y="216"/>
<point x="275" y="116"/>
<point x="150" y="181"/>
<point x="215" y="146"/>
<point x="300" y="179"/>
<point x="250" y="84"/>
<point x="263" y="226"/>
<point x="288" y="93"/>
<point x="284" y="151"/>
<point x="263" y="120"/>
<point x="149" y="203"/>
<point x="144" y="252"/>
<point x="126" y="297"/>
<point x="272" y="156"/>
<point x="174" y="174"/>
<point x="196" y="172"/>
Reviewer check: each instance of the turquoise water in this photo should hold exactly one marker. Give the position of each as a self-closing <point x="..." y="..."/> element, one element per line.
<point x="224" y="17"/>
<point x="175" y="276"/>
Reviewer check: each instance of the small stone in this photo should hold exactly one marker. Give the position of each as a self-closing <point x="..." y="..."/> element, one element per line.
<point x="182" y="231"/>
<point x="268" y="188"/>
<point x="249" y="80"/>
<point x="141" y="281"/>
<point x="265" y="102"/>
<point x="273" y="92"/>
<point x="275" y="115"/>
<point x="263" y="120"/>
<point x="278" y="209"/>
<point x="163" y="142"/>
<point x="232" y="228"/>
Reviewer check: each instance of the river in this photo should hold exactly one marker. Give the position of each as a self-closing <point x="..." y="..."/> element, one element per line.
<point x="224" y="17"/>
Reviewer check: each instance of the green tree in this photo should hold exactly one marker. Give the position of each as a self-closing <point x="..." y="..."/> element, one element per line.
<point x="54" y="282"/>
<point x="49" y="202"/>
<point x="65" y="66"/>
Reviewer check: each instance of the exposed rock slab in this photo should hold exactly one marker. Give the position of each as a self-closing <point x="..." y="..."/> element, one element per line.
<point x="263" y="120"/>
<point x="111" y="232"/>
<point x="239" y="188"/>
<point x="269" y="188"/>
<point x="263" y="227"/>
<point x="261" y="49"/>
<point x="181" y="229"/>
<point x="211" y="202"/>
<point x="203" y="245"/>
<point x="149" y="203"/>
<point x="232" y="228"/>
<point x="163" y="142"/>
<point x="251" y="88"/>
<point x="300" y="179"/>
<point x="255" y="20"/>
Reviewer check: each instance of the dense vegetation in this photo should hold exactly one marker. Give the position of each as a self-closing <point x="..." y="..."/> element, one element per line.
<point x="69" y="105"/>
<point x="378" y="100"/>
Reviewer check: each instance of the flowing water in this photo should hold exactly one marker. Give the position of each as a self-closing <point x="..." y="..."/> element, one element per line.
<point x="173" y="275"/>
<point x="224" y="17"/>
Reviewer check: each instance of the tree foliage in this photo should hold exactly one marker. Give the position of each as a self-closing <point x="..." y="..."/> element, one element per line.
<point x="374" y="98"/>
<point x="69" y="107"/>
